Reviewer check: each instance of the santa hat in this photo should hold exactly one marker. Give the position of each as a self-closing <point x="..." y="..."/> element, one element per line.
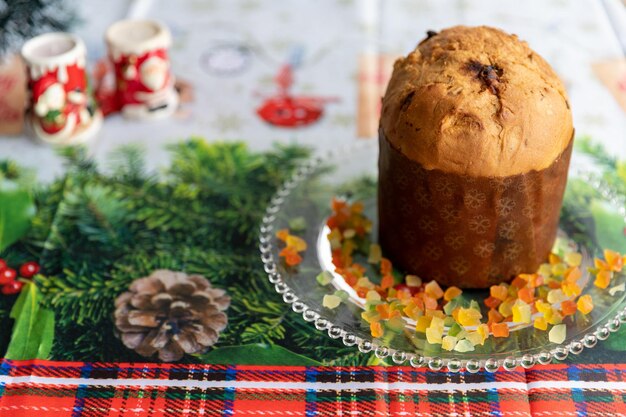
<point x="42" y="84"/>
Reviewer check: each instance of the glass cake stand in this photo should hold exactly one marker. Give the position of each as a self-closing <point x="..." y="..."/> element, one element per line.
<point x="351" y="172"/>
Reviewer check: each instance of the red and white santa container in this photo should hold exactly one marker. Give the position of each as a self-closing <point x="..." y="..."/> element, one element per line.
<point x="60" y="111"/>
<point x="144" y="82"/>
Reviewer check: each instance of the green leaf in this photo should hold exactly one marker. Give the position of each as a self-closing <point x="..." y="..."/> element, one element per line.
<point x="257" y="354"/>
<point x="33" y="331"/>
<point x="16" y="210"/>
<point x="609" y="227"/>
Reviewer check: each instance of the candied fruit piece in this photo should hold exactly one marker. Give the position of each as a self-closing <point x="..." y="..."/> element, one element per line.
<point x="372" y="296"/>
<point x="282" y="234"/>
<point x="603" y="279"/>
<point x="433" y="290"/>
<point x="451" y="293"/>
<point x="365" y="283"/>
<point x="386" y="282"/>
<point x="429" y="303"/>
<point x="434" y="335"/>
<point x="554" y="318"/>
<point x="500" y="330"/>
<point x="296" y="242"/>
<point x="585" y="304"/>
<point x="571" y="289"/>
<point x="526" y="294"/>
<point x="540" y="323"/>
<point x="556" y="296"/>
<point x="568" y="308"/>
<point x="385" y="266"/>
<point x="519" y="282"/>
<point x="501" y="292"/>
<point x="324" y="278"/>
<point x="435" y="313"/>
<point x="618" y="288"/>
<point x="396" y="324"/>
<point x="422" y="323"/>
<point x="573" y="258"/>
<point x="464" y="346"/>
<point x="331" y="301"/>
<point x="468" y="317"/>
<point x="494" y="316"/>
<point x="557" y="333"/>
<point x="554" y="259"/>
<point x="448" y="342"/>
<point x="545" y="270"/>
<point x="413" y="281"/>
<point x="370" y="316"/>
<point x="558" y="269"/>
<point x="614" y="259"/>
<point x="412" y="311"/>
<point x="521" y="312"/>
<point x="375" y="255"/>
<point x="376" y="328"/>
<point x="334" y="237"/>
<point x="349" y="233"/>
<point x="455" y="329"/>
<point x="483" y="330"/>
<point x="383" y="310"/>
<point x="572" y="274"/>
<point x="506" y="308"/>
<point x="342" y="294"/>
<point x="492" y="302"/>
<point x="475" y="338"/>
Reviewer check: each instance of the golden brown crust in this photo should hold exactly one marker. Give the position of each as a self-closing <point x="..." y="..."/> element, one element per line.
<point x="479" y="102"/>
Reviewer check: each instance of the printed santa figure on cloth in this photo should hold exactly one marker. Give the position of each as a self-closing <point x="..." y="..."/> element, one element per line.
<point x="61" y="111"/>
<point x="144" y="83"/>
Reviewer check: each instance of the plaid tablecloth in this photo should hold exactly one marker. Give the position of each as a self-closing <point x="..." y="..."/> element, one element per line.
<point x="55" y="389"/>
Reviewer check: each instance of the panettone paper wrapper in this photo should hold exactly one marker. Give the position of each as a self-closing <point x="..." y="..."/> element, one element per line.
<point x="471" y="232"/>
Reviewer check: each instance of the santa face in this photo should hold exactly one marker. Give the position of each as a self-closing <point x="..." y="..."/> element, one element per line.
<point x="154" y="73"/>
<point x="51" y="99"/>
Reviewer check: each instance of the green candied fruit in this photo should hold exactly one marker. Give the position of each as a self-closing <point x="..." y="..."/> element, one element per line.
<point x="297" y="224"/>
<point x="474" y="304"/>
<point x="342" y="294"/>
<point x="449" y="321"/>
<point x="395" y="324"/>
<point x="455" y="329"/>
<point x="324" y="278"/>
<point x="464" y="346"/>
<point x="449" y="307"/>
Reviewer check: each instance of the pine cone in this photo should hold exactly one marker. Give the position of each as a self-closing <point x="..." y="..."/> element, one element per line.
<point x="171" y="313"/>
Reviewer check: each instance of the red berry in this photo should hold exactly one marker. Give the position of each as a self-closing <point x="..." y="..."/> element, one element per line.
<point x="12" y="288"/>
<point x="3" y="264"/>
<point x="29" y="269"/>
<point x="7" y="276"/>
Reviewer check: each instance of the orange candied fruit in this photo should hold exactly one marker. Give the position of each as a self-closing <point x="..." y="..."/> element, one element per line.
<point x="282" y="234"/>
<point x="492" y="302"/>
<point x="585" y="304"/>
<point x="385" y="266"/>
<point x="386" y="282"/>
<point x="433" y="290"/>
<point x="494" y="316"/>
<point x="614" y="260"/>
<point x="603" y="279"/>
<point x="451" y="293"/>
<point x="292" y="258"/>
<point x="376" y="328"/>
<point x="501" y="292"/>
<point x="500" y="330"/>
<point x="526" y="294"/>
<point x="568" y="307"/>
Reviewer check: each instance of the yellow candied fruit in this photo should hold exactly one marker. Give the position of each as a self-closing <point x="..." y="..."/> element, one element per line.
<point x="540" y="323"/>
<point x="506" y="308"/>
<point x="572" y="274"/>
<point x="483" y="330"/>
<point x="413" y="281"/>
<point x="434" y="335"/>
<point x="370" y="316"/>
<point x="545" y="270"/>
<point x="448" y="342"/>
<point x="556" y="296"/>
<point x="334" y="237"/>
<point x="282" y="234"/>
<point x="422" y="323"/>
<point x="364" y="282"/>
<point x="435" y="313"/>
<point x="570" y="289"/>
<point x="469" y="317"/>
<point x="451" y="293"/>
<point x="521" y="312"/>
<point x="376" y="328"/>
<point x="296" y="242"/>
<point x="554" y="259"/>
<point x="501" y="292"/>
<point x="372" y="296"/>
<point x="603" y="279"/>
<point x="614" y="259"/>
<point x="585" y="304"/>
<point x="557" y="333"/>
<point x="542" y="306"/>
<point x="554" y="318"/>
<point x="433" y="290"/>
<point x="558" y="269"/>
<point x="475" y="338"/>
<point x="376" y="254"/>
<point x="413" y="311"/>
<point x="573" y="258"/>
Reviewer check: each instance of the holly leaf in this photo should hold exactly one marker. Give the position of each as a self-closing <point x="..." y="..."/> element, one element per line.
<point x="257" y="354"/>
<point x="16" y="210"/>
<point x="33" y="331"/>
<point x="609" y="227"/>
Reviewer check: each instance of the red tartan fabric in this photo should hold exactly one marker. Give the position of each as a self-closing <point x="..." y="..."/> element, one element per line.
<point x="55" y="389"/>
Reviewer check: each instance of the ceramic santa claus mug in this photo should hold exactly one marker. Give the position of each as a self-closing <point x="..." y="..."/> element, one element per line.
<point x="144" y="82"/>
<point x="60" y="108"/>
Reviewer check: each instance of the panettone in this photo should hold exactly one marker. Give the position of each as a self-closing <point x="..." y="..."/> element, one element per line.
<point x="475" y="139"/>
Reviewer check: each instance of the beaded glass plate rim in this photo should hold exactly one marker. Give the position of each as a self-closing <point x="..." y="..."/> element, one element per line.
<point x="435" y="363"/>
